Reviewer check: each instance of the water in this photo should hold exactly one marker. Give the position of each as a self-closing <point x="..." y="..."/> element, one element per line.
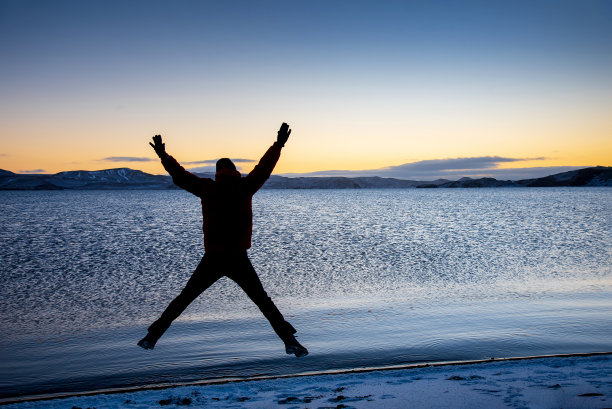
<point x="368" y="277"/>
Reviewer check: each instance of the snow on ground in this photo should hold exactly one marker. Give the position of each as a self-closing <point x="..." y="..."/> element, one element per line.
<point x="567" y="382"/>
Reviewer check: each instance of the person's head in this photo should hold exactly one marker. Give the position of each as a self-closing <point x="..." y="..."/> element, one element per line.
<point x="225" y="163"/>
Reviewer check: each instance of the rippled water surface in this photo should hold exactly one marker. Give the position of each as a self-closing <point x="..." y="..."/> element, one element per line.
<point x="368" y="277"/>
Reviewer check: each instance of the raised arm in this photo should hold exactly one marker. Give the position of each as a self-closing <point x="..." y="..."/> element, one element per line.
<point x="264" y="168"/>
<point x="180" y="176"/>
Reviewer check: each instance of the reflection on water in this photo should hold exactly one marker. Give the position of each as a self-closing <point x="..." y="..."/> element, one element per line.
<point x="368" y="277"/>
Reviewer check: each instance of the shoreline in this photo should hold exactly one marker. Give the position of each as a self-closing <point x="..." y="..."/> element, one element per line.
<point x="329" y="374"/>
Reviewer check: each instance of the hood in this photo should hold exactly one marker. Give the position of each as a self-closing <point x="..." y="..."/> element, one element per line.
<point x="227" y="175"/>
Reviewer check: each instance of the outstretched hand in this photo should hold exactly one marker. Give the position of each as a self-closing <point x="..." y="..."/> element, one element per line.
<point x="159" y="146"/>
<point x="283" y="134"/>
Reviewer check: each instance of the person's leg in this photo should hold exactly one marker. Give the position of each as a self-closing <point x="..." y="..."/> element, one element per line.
<point x="203" y="277"/>
<point x="242" y="272"/>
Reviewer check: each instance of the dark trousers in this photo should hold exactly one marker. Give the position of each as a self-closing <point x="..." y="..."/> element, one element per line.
<point x="213" y="266"/>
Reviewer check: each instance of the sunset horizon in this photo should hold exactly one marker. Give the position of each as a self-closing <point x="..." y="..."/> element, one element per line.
<point x="426" y="170"/>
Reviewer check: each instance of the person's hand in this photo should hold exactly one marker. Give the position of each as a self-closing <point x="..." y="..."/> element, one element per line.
<point x="159" y="146"/>
<point x="283" y="134"/>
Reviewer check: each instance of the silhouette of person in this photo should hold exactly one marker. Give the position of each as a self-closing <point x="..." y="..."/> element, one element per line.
<point x="227" y="226"/>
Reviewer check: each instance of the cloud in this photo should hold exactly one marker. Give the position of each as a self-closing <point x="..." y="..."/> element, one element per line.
<point x="32" y="171"/>
<point x="214" y="161"/>
<point x="203" y="169"/>
<point x="482" y="162"/>
<point x="126" y="159"/>
<point x="453" y="169"/>
<point x="3" y="154"/>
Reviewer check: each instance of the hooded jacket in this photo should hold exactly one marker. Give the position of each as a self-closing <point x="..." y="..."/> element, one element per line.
<point x="226" y="201"/>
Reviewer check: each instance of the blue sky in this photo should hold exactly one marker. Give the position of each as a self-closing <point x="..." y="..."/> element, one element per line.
<point x="364" y="84"/>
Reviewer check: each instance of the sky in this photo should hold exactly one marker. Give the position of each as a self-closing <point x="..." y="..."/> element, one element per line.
<point x="408" y="89"/>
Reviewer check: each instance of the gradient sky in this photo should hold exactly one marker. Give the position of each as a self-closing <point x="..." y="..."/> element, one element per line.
<point x="364" y="84"/>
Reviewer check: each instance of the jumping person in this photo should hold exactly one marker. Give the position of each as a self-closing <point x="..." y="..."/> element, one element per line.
<point x="227" y="225"/>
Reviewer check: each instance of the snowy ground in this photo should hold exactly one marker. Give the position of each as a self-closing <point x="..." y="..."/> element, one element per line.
<point x="560" y="382"/>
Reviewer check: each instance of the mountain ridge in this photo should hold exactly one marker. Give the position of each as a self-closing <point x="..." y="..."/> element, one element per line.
<point x="126" y="178"/>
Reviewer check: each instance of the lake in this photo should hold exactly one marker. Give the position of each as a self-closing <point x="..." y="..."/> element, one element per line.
<point x="368" y="277"/>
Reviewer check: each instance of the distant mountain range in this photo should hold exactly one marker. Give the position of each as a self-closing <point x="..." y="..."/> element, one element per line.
<point x="125" y="178"/>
